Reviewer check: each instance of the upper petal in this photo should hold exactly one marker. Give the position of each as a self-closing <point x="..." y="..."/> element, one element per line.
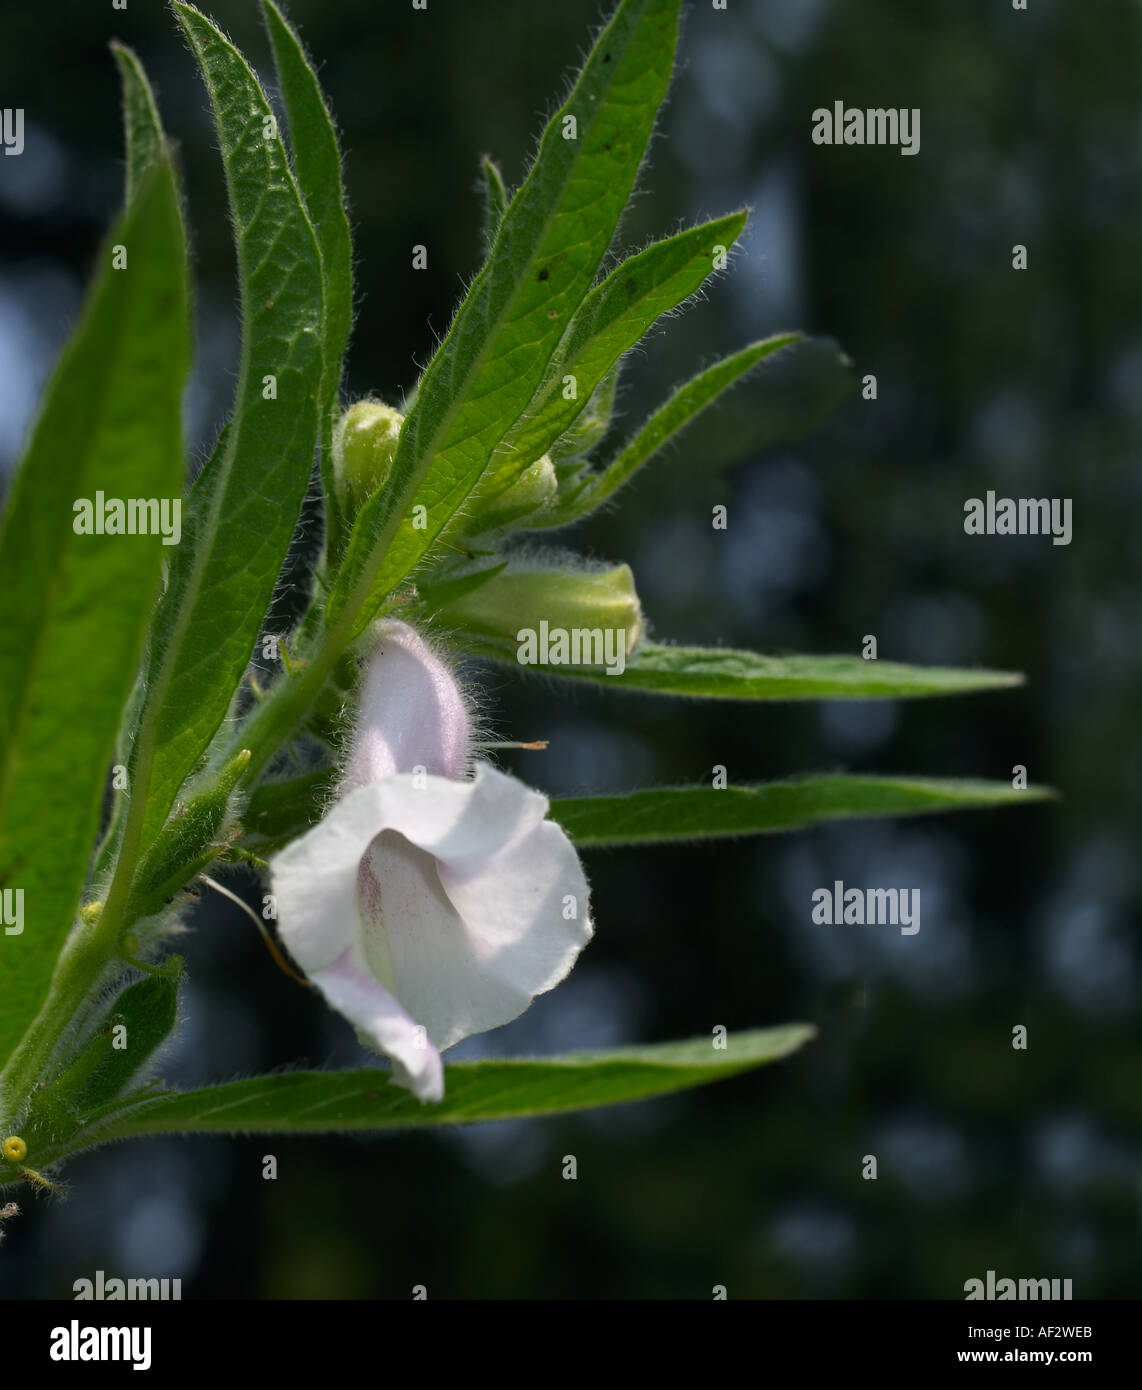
<point x="412" y="714"/>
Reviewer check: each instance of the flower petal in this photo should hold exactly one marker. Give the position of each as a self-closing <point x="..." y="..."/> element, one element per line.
<point x="412" y="713"/>
<point x="314" y="882"/>
<point x="315" y="878"/>
<point x="454" y="897"/>
<point x="352" y="991"/>
<point x="528" y="908"/>
<point x="470" y="951"/>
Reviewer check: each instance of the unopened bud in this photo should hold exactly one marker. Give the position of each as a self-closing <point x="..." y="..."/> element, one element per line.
<point x="363" y="450"/>
<point x="528" y="607"/>
<point x="533" y="489"/>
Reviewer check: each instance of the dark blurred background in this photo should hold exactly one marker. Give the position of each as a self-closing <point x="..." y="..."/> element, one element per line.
<point x="1029" y="383"/>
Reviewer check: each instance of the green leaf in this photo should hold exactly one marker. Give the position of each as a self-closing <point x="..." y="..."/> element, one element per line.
<point x="799" y="388"/>
<point x="457" y="585"/>
<point x="701" y="813"/>
<point x="612" y="319"/>
<point x="571" y="448"/>
<point x="107" y="1064"/>
<point x="76" y="606"/>
<point x="548" y="249"/>
<point x="495" y="201"/>
<point x="725" y="674"/>
<point x="278" y="812"/>
<point x="188" y="841"/>
<point x="146" y="144"/>
<point x="317" y="163"/>
<point x="244" y="509"/>
<point x="320" y="1102"/>
<point x="687" y="402"/>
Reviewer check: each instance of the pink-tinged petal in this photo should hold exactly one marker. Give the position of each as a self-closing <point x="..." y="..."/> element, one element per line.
<point x="352" y="991"/>
<point x="412" y="714"/>
<point x="480" y="919"/>
<point x="527" y="908"/>
<point x="314" y="882"/>
<point x="460" y="822"/>
<point x="315" y="879"/>
<point x="414" y="929"/>
<point x="458" y="898"/>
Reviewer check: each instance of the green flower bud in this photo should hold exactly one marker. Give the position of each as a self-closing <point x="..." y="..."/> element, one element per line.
<point x="533" y="489"/>
<point x="542" y="616"/>
<point x="363" y="449"/>
<point x="188" y="842"/>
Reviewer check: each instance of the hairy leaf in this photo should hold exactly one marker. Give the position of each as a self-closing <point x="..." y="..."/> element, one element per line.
<point x="77" y="605"/>
<point x="548" y="249"/>
<point x="612" y="319"/>
<point x="723" y="673"/>
<point x="687" y="402"/>
<point x="243" y="513"/>
<point x="320" y="1102"/>
<point x="700" y="813"/>
<point x="317" y="163"/>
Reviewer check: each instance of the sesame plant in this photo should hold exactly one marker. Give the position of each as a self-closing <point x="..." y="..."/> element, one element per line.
<point x="418" y="890"/>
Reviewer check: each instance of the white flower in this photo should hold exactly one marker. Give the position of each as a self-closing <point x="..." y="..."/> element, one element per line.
<point x="426" y="908"/>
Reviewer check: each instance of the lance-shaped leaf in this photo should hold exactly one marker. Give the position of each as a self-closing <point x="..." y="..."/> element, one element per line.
<point x="495" y="200"/>
<point x="146" y="144"/>
<point x="687" y="402"/>
<point x="244" y="511"/>
<point x="612" y="319"/>
<point x="77" y="604"/>
<point x="317" y="163"/>
<point x="278" y="812"/>
<point x="665" y="814"/>
<point x="188" y="841"/>
<point x="459" y="583"/>
<point x="726" y="674"/>
<point x="320" y="1102"/>
<point x="796" y="390"/>
<point x="548" y="249"/>
<point x="124" y="1039"/>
